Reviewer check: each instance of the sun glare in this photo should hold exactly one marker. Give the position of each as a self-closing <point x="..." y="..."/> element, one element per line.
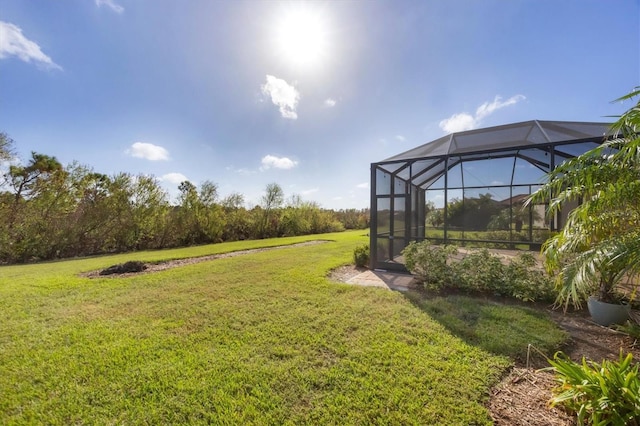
<point x="301" y="38"/>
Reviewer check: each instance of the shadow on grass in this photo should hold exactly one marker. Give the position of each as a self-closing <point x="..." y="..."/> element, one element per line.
<point x="501" y="328"/>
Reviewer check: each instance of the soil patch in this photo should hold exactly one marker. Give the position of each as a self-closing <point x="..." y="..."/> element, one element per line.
<point x="161" y="266"/>
<point x="522" y="397"/>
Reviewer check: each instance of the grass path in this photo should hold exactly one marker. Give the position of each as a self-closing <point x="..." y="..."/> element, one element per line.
<point x="262" y="338"/>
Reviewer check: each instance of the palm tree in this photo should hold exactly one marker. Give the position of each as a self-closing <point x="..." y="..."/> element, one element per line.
<point x="600" y="243"/>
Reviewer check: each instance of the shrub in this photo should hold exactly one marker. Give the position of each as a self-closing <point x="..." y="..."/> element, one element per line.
<point x="526" y="282"/>
<point x="430" y="263"/>
<point x="542" y="235"/>
<point x="478" y="271"/>
<point x="361" y="255"/>
<point x="506" y="236"/>
<point x="606" y="394"/>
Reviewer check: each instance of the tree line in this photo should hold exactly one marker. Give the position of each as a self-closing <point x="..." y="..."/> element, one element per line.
<point x="50" y="211"/>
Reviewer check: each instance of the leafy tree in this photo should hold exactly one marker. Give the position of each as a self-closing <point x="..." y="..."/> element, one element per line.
<point x="37" y="188"/>
<point x="50" y="211"/>
<point x="436" y="217"/>
<point x="6" y="240"/>
<point x="26" y="179"/>
<point x="149" y="207"/>
<point x="296" y="217"/>
<point x="208" y="193"/>
<point x="120" y="213"/>
<point x="200" y="218"/>
<point x="233" y="201"/>
<point x="238" y="220"/>
<point x="212" y="218"/>
<point x="473" y="213"/>
<point x="6" y="147"/>
<point x="353" y="218"/>
<point x="270" y="203"/>
<point x="92" y="215"/>
<point x="190" y="206"/>
<point x="600" y="242"/>
<point x="518" y="216"/>
<point x="322" y="220"/>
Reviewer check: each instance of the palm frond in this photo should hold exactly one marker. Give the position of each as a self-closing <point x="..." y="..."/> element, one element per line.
<point x="600" y="241"/>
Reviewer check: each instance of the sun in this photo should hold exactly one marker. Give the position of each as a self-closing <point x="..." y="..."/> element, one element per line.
<point x="301" y="37"/>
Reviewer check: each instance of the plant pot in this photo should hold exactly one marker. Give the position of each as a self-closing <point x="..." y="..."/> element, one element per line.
<point x="608" y="313"/>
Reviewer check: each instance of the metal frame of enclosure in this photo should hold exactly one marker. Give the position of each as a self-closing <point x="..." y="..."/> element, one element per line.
<point x="468" y="188"/>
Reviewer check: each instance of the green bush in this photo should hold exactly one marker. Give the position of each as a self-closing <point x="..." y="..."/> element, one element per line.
<point x="606" y="394"/>
<point x="430" y="264"/>
<point x="478" y="271"/>
<point x="361" y="255"/>
<point x="507" y="236"/>
<point x="526" y="282"/>
<point x="542" y="235"/>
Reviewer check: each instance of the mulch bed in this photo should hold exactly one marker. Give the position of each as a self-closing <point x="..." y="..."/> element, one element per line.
<point x="521" y="398"/>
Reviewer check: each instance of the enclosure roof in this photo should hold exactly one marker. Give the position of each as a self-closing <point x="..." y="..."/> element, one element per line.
<point x="526" y="134"/>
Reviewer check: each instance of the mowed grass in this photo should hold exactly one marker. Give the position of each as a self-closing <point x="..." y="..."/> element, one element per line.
<point x="262" y="338"/>
<point x="496" y="327"/>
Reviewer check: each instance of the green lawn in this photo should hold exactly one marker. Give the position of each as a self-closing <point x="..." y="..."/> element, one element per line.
<point x="263" y="338"/>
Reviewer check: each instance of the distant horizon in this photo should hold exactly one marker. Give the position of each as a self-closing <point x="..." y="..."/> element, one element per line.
<point x="303" y="94"/>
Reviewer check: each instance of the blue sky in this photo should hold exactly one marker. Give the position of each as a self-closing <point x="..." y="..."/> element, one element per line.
<point x="305" y="94"/>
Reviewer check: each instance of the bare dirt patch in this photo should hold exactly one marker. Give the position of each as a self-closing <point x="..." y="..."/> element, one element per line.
<point x="161" y="266"/>
<point x="345" y="273"/>
<point x="522" y="397"/>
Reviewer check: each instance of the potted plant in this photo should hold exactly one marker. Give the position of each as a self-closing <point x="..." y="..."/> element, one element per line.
<point x="592" y="274"/>
<point x="606" y="306"/>
<point x="600" y="241"/>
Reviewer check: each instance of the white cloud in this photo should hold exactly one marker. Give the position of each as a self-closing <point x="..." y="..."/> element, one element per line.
<point x="175" y="178"/>
<point x="465" y="121"/>
<point x="363" y="185"/>
<point x="284" y="163"/>
<point x="14" y="43"/>
<point x="400" y="138"/>
<point x="488" y="108"/>
<point x="283" y="95"/>
<point x="242" y="170"/>
<point x="330" y="103"/>
<point x="111" y="4"/>
<point x="148" y="151"/>
<point x="458" y="123"/>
